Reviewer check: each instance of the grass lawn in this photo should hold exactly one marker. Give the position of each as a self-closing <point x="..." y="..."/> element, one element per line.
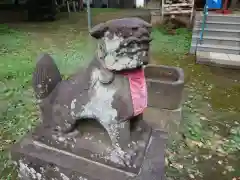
<point x="210" y="134"/>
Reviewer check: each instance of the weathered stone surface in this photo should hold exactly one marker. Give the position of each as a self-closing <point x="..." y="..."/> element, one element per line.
<point x="94" y="144"/>
<point x="163" y="119"/>
<point x="165" y="86"/>
<point x="92" y="124"/>
<point x="103" y="91"/>
<point x="165" y="90"/>
<point x="38" y="161"/>
<point x="231" y="61"/>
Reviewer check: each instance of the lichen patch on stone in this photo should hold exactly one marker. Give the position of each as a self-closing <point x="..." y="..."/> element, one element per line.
<point x="26" y="172"/>
<point x="64" y="177"/>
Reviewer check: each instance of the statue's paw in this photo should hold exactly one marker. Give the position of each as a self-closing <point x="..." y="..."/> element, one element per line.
<point x="124" y="158"/>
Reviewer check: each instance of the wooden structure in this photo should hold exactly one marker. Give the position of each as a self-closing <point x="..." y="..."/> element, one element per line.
<point x="74" y="5"/>
<point x="173" y="7"/>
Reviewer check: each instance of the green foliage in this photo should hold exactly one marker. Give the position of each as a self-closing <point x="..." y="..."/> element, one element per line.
<point x="233" y="143"/>
<point x="210" y="131"/>
<point x="174" y="45"/>
<point x="18" y="51"/>
<point x="210" y="126"/>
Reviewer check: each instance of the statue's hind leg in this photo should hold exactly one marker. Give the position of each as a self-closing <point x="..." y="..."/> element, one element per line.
<point x="120" y="136"/>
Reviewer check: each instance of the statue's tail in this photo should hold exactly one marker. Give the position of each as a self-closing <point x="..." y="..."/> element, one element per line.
<point x="46" y="76"/>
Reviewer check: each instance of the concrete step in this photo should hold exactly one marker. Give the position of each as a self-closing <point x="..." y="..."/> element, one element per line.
<point x="219" y="25"/>
<point x="216" y="40"/>
<point x="218" y="59"/>
<point x="215" y="48"/>
<point x="217" y="32"/>
<point x="219" y="17"/>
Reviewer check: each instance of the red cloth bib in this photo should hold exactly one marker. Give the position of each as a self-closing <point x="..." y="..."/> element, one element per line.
<point x="138" y="90"/>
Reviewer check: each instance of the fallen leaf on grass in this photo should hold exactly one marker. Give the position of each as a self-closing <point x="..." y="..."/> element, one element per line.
<point x="193" y="144"/>
<point x="191" y="176"/>
<point x="229" y="168"/>
<point x="176" y="166"/>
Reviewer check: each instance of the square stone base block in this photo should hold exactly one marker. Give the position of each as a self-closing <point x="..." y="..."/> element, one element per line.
<point x="163" y="119"/>
<point x="38" y="161"/>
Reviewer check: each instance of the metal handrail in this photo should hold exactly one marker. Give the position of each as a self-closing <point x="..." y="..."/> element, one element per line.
<point x="89" y="16"/>
<point x="200" y="39"/>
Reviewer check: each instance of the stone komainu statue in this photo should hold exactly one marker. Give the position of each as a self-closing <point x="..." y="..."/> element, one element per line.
<point x="111" y="90"/>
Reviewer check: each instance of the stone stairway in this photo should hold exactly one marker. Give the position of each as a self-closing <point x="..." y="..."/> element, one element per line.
<point x="221" y="36"/>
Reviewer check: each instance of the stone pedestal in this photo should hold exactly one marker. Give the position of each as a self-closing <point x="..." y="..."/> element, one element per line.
<point x="40" y="159"/>
<point x="165" y="120"/>
<point x="165" y="86"/>
<point x="165" y="90"/>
